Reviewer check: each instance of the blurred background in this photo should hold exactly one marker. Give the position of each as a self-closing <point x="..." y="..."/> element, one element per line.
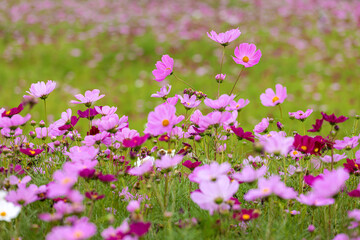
<point x="310" y="46"/>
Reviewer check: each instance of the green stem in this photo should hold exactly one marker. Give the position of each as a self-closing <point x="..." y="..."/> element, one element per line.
<point x="281" y="115"/>
<point x="236" y="81"/>
<point x="221" y="64"/>
<point x="182" y="81"/>
<point x="45" y="120"/>
<point x="165" y="192"/>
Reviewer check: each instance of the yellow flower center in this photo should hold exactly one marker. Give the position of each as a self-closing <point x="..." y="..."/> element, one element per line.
<point x="188" y="103"/>
<point x="66" y="180"/>
<point x="276" y="98"/>
<point x="304" y="148"/>
<point x="316" y="149"/>
<point x="237" y="106"/>
<point x="295" y="152"/>
<point x="78" y="234"/>
<point x="8" y="112"/>
<point x="265" y="190"/>
<point x="168" y="68"/>
<point x="3" y="214"/>
<point x="32" y="151"/>
<point x="357" y="166"/>
<point x="165" y="122"/>
<point x="246" y="216"/>
<point x="245" y="59"/>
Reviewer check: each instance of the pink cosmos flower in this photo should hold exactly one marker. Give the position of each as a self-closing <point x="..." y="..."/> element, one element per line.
<point x="164" y="68"/>
<point x="189" y="102"/>
<point x="162" y="120"/>
<point x="226" y="37"/>
<point x="347" y="143"/>
<point x="81" y="230"/>
<point x="89" y="98"/>
<point x="330" y="183"/>
<point x="41" y="132"/>
<point x="103" y="137"/>
<point x="168" y="161"/>
<point x="262" y="126"/>
<point x="220" y="77"/>
<point x="215" y="118"/>
<point x="112" y="123"/>
<point x="219" y="103"/>
<point x="311" y="199"/>
<point x="269" y="98"/>
<point x="42" y="90"/>
<point x="63" y="182"/>
<point x="241" y="103"/>
<point x="126" y="133"/>
<point x="83" y="153"/>
<point x="134" y="205"/>
<point x="14" y="121"/>
<point x="266" y="187"/>
<point x="145" y="167"/>
<point x="249" y="174"/>
<point x="105" y="110"/>
<point x="300" y="115"/>
<point x="246" y="55"/>
<point x="278" y="144"/>
<point x="13" y="180"/>
<point x="214" y="195"/>
<point x="209" y="172"/>
<point x="337" y="157"/>
<point x="23" y="195"/>
<point x="164" y="91"/>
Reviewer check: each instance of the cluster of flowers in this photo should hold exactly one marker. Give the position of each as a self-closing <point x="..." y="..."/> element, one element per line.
<point x="111" y="151"/>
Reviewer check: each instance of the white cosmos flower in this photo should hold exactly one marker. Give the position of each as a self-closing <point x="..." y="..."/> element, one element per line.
<point x="8" y="210"/>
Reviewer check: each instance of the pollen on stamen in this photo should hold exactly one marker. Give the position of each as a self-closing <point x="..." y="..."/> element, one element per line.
<point x="245" y="59"/>
<point x="165" y="122"/>
<point x="276" y="98"/>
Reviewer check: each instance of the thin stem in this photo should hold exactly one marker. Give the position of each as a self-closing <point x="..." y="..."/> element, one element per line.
<point x="236" y="80"/>
<point x="221" y="64"/>
<point x="281" y="115"/>
<point x="45" y="111"/>
<point x="165" y="192"/>
<point x="182" y="81"/>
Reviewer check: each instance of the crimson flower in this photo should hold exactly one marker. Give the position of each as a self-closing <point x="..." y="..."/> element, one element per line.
<point x="351" y="166"/>
<point x="13" y="111"/>
<point x="87" y="173"/>
<point x="242" y="134"/>
<point x="246" y="214"/>
<point x="89" y="113"/>
<point x="94" y="196"/>
<point x="70" y="126"/>
<point x="311" y="145"/>
<point x="332" y="119"/>
<point x="106" y="178"/>
<point x="31" y="152"/>
<point x="135" y="141"/>
<point x="317" y="126"/>
<point x="191" y="165"/>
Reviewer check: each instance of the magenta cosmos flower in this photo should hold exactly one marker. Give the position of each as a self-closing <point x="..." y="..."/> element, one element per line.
<point x="164" y="68"/>
<point x="270" y="98"/>
<point x="89" y="98"/>
<point x="41" y="89"/>
<point x="226" y="37"/>
<point x="246" y="55"/>
<point x="214" y="195"/>
<point x="162" y="119"/>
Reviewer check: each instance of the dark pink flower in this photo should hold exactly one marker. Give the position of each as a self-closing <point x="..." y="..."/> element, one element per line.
<point x="13" y="111"/>
<point x="191" y="165"/>
<point x="106" y="178"/>
<point x="242" y="134"/>
<point x="31" y="152"/>
<point x="332" y="119"/>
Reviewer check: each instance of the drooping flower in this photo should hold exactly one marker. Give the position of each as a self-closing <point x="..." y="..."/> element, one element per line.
<point x="162" y="120"/>
<point x="41" y="90"/>
<point x="164" y="68"/>
<point x="89" y="98"/>
<point x="164" y="91"/>
<point x="270" y="98"/>
<point x="213" y="195"/>
<point x="317" y="126"/>
<point x="226" y="37"/>
<point x="332" y="119"/>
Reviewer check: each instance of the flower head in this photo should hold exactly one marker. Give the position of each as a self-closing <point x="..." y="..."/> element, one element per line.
<point x="164" y="91"/>
<point x="332" y="119"/>
<point x="300" y="115"/>
<point x="226" y="37"/>
<point x="42" y="89"/>
<point x="247" y="55"/>
<point x="270" y="98"/>
<point x="164" y="68"/>
<point x="89" y="98"/>
<point x="8" y="210"/>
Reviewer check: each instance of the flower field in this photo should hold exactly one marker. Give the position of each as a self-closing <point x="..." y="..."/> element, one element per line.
<point x="179" y="119"/>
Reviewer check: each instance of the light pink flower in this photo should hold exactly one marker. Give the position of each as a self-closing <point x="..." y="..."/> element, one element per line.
<point x="226" y="37"/>
<point x="42" y="90"/>
<point x="168" y="161"/>
<point x="163" y="92"/>
<point x="189" y="102"/>
<point x="105" y="110"/>
<point x="89" y="98"/>
<point x="133" y="206"/>
<point x="214" y="195"/>
<point x="145" y="167"/>
<point x="249" y="174"/>
<point x="219" y="103"/>
<point x="209" y="172"/>
<point x="300" y="115"/>
<point x="241" y="103"/>
<point x="270" y="98"/>
<point x="246" y="55"/>
<point x="262" y="126"/>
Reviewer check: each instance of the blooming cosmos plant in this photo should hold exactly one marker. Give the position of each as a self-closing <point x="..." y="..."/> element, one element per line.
<point x="226" y="37"/>
<point x="42" y="89"/>
<point x="164" y="68"/>
<point x="247" y="55"/>
<point x="271" y="98"/>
